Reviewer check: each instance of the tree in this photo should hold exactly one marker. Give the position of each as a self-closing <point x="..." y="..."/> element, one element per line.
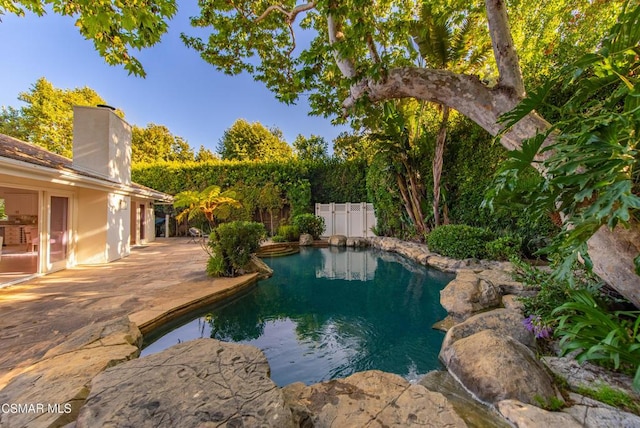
<point x="445" y="41"/>
<point x="205" y="155"/>
<point x="156" y="143"/>
<point x="252" y="141"/>
<point x="210" y="202"/>
<point x="401" y="142"/>
<point x="359" y="56"/>
<point x="47" y="117"/>
<point x="353" y="146"/>
<point x="312" y="148"/>
<point x="115" y="27"/>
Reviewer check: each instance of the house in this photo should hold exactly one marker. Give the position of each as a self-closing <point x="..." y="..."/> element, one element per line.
<point x="60" y="212"/>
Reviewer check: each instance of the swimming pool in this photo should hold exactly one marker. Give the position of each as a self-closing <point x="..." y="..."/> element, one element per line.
<point x="328" y="313"/>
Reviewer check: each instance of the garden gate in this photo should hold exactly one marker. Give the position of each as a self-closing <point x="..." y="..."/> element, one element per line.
<point x="349" y="219"/>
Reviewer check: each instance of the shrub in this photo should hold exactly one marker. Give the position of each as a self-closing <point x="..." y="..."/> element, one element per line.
<point x="504" y="248"/>
<point x="309" y="223"/>
<point x="288" y="233"/>
<point x="233" y="243"/>
<point x="612" y="338"/>
<point x="459" y="241"/>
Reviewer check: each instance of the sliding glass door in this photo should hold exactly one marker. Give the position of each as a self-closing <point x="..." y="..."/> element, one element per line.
<point x="58" y="232"/>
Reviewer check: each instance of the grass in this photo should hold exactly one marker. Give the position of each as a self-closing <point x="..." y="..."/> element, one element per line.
<point x="613" y="397"/>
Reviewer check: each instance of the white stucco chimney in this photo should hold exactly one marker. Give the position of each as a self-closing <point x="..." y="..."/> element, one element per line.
<point x="102" y="143"/>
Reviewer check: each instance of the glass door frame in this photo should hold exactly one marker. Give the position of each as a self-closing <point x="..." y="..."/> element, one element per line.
<point x="67" y="237"/>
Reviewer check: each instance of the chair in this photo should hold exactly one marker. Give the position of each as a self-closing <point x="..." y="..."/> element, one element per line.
<point x="32" y="238"/>
<point x="194" y="233"/>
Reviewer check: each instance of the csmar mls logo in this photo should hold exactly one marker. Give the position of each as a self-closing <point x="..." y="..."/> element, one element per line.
<point x="14" y="408"/>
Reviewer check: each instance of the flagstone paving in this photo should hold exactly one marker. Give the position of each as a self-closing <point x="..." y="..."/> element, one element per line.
<point x="155" y="282"/>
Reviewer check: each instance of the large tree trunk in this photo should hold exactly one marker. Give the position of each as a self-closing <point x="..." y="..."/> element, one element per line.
<point x="611" y="251"/>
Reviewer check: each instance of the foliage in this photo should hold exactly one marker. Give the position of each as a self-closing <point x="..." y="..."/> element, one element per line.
<point x="391" y="219"/>
<point x="312" y="148"/>
<point x="253" y="141"/>
<point x="270" y="199"/>
<point x="459" y="241"/>
<point x="552" y="403"/>
<point x="613" y="338"/>
<point x="333" y="180"/>
<point x="156" y="143"/>
<point x="353" y="146"/>
<point x="611" y="396"/>
<point x="115" y="27"/>
<point x="299" y="197"/>
<point x="232" y="245"/>
<point x="210" y="202"/>
<point x="309" y="223"/>
<point x="47" y="118"/>
<point x="504" y="248"/>
<point x="591" y="173"/>
<point x="288" y="233"/>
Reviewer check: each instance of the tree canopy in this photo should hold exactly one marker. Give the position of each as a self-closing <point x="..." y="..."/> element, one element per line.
<point x="312" y="148"/>
<point x="253" y="141"/>
<point x="114" y="27"/>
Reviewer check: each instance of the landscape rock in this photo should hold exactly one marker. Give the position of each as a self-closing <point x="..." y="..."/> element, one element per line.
<point x="512" y="302"/>
<point x="369" y="399"/>
<point x="474" y="413"/>
<point x="594" y="414"/>
<point x="587" y="375"/>
<point x="523" y="415"/>
<point x="256" y="264"/>
<point x="356" y="242"/>
<point x="202" y="382"/>
<point x="468" y="294"/>
<point x="496" y="367"/>
<point x="63" y="376"/>
<point x="305" y="240"/>
<point x="338" y="241"/>
<point x="504" y="322"/>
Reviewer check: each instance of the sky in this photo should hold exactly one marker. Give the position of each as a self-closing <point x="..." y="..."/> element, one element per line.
<point x="180" y="91"/>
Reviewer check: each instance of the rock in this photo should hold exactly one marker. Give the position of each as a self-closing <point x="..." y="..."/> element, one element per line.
<point x="468" y="294"/>
<point x="369" y="399"/>
<point x="504" y="322"/>
<point x="587" y="375"/>
<point x="445" y="324"/>
<point x="191" y="384"/>
<point x="523" y="415"/>
<point x="497" y="367"/>
<point x="305" y="240"/>
<point x="594" y="414"/>
<point x="63" y="376"/>
<point x="337" y="241"/>
<point x="475" y="414"/>
<point x="356" y="242"/>
<point x="513" y="303"/>
<point x="255" y="264"/>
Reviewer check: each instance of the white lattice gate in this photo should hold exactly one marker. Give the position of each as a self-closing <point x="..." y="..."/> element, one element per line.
<point x="349" y="219"/>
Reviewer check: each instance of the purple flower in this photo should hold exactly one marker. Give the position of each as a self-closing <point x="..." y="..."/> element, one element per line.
<point x="539" y="328"/>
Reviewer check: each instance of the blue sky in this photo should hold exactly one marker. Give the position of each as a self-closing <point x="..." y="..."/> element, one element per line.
<point x="181" y="91"/>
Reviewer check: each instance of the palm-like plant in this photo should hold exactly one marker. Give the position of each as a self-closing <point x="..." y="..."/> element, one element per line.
<point x="209" y="202"/>
<point x="445" y="40"/>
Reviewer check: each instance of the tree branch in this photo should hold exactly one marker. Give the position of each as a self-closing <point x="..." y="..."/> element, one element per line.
<point x="291" y="16"/>
<point x="461" y="92"/>
<point x="503" y="49"/>
<point x="345" y="65"/>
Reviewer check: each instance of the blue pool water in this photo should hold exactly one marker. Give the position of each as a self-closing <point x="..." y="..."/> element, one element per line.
<point x="328" y="313"/>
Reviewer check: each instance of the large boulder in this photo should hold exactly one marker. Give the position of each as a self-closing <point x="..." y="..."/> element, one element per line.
<point x="338" y="241"/>
<point x="505" y="322"/>
<point x="369" y="399"/>
<point x="468" y="294"/>
<point x="305" y="240"/>
<point x="356" y="242"/>
<point x="60" y="381"/>
<point x="198" y="383"/>
<point x="497" y="367"/>
<point x="523" y="415"/>
<point x="474" y="413"/>
<point x="594" y="414"/>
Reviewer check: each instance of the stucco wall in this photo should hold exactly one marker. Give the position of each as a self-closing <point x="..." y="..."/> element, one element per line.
<point x="118" y="226"/>
<point x="92" y="226"/>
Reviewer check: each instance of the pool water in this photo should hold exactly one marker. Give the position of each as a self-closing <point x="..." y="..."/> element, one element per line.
<point x="328" y="313"/>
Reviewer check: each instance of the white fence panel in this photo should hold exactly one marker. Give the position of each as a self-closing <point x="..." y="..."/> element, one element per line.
<point x="349" y="219"/>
